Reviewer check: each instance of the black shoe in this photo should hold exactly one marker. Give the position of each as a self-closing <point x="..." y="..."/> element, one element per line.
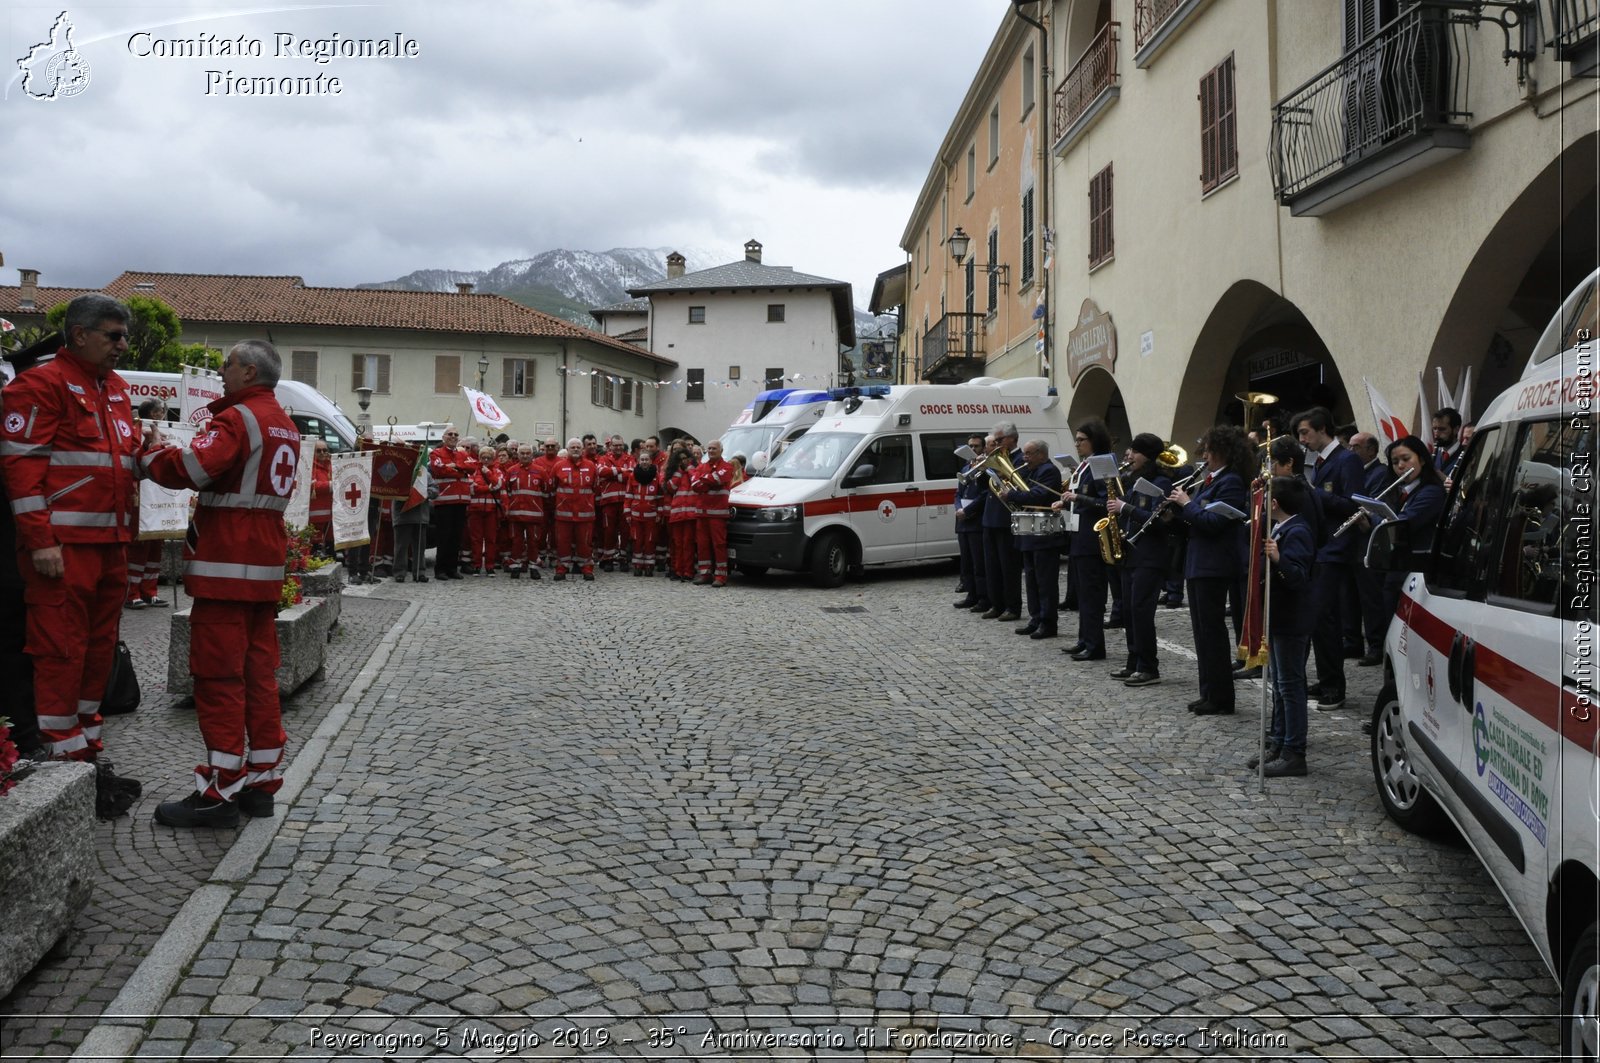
<point x="1196" y="703"/>
<point x="470" y="570"/>
<point x="105" y="775"/>
<point x="1009" y="617"/>
<point x="422" y="579"/>
<point x="400" y="577"/>
<point x="1028" y="628"/>
<point x="1076" y="647"/>
<point x="1330" y="701"/>
<point x="1124" y="672"/>
<point x="1070" y="603"/>
<point x="965" y="603"/>
<point x="981" y="606"/>
<point x="255" y="803"/>
<point x="588" y="577"/>
<point x="533" y="573"/>
<point x="605" y="566"/>
<point x="1089" y="655"/>
<point x="1241" y="674"/>
<point x="1371" y="660"/>
<point x="961" y="588"/>
<point x="515" y="574"/>
<point x="1313" y="691"/>
<point x="1206" y="708"/>
<point x="197" y="811"/>
<point x="1273" y="749"/>
<point x="1043" y="633"/>
<point x="1142" y="679"/>
<point x="1286" y="764"/>
<point x="701" y="581"/>
<point x="1114" y="623"/>
<point x="561" y="577"/>
<point x="994" y="613"/>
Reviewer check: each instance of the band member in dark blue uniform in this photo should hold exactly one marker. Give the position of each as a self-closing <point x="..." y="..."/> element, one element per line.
<point x="972" y="492"/>
<point x="1420" y="505"/>
<point x="1217" y="546"/>
<point x="1002" y="566"/>
<point x="1144" y="560"/>
<point x="1041" y="554"/>
<point x="1290" y="551"/>
<point x="1087" y="497"/>
<point x="1336" y="474"/>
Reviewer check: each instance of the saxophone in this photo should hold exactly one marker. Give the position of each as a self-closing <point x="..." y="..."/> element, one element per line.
<point x="1107" y="528"/>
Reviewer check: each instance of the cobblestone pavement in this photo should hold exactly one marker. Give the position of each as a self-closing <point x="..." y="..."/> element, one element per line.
<point x="693" y="820"/>
<point x="148" y="871"/>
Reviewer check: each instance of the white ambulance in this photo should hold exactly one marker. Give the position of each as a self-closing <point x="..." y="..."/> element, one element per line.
<point x="873" y="481"/>
<point x="773" y="419"/>
<point x="316" y="415"/>
<point x="1488" y="714"/>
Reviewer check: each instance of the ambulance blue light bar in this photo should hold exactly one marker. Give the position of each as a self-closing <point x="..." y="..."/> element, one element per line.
<point x="871" y="391"/>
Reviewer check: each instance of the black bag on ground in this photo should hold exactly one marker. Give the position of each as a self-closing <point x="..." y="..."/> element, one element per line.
<point x="122" y="688"/>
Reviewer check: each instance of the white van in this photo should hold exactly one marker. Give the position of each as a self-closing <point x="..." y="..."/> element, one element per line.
<point x="1489" y="710"/>
<point x="316" y="415"/>
<point x="873" y="480"/>
<point x="774" y="419"/>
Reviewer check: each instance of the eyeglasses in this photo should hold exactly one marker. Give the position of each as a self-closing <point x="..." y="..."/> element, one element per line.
<point x="1081" y="439"/>
<point x="114" y="335"/>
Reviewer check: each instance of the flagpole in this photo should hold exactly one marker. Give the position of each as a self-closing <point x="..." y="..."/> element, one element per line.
<point x="1266" y="631"/>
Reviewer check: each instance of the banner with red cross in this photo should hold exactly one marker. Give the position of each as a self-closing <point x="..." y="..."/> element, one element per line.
<point x="352" y="490"/>
<point x="392" y="466"/>
<point x="298" y="515"/>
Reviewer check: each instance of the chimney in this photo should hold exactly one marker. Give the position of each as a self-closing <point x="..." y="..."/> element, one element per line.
<point x="752" y="250"/>
<point x="464" y="287"/>
<point x="30" y="289"/>
<point x="675" y="264"/>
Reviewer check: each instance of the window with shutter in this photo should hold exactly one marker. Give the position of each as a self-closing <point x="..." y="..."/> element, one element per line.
<point x="446" y="374"/>
<point x="370" y="370"/>
<point x="1101" y="242"/>
<point x="1027" y="237"/>
<point x="696" y="379"/>
<point x="774" y="377"/>
<point x="303" y="367"/>
<point x="1219" y="147"/>
<point x="517" y="377"/>
<point x="594" y="389"/>
<point x="627" y="394"/>
<point x="358" y="371"/>
<point x="994" y="274"/>
<point x="382" y="373"/>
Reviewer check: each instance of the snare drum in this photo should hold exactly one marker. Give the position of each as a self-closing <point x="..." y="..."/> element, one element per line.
<point x="1036" y="522"/>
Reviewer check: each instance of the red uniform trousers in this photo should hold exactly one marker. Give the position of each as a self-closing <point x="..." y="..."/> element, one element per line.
<point x="711" y="541"/>
<point x="527" y="539"/>
<point x="663" y="537"/>
<point x="323" y="526"/>
<point x="72" y="636"/>
<point x="236" y="696"/>
<point x="144" y="569"/>
<point x="483" y="536"/>
<point x="642" y="538"/>
<point x="574" y="545"/>
<point x="683" y="548"/>
<point x="502" y="542"/>
<point x="609" y="527"/>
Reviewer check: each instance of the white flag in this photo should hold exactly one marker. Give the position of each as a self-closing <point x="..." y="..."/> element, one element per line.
<point x="485" y="410"/>
<point x="163" y="511"/>
<point x="298" y="515"/>
<point x="352" y="483"/>
<point x="197" y="389"/>
<point x="1390" y="427"/>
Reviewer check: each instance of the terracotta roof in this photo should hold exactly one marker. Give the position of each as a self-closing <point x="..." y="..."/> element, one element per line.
<point x="285" y="300"/>
<point x="638" y="335"/>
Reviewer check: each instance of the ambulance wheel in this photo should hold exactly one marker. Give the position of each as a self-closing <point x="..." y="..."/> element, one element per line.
<point x="1404" y="799"/>
<point x="753" y="571"/>
<point x="1580" y="999"/>
<point x="830" y="560"/>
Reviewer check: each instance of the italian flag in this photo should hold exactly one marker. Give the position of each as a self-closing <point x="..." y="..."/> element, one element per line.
<point x="420" y="479"/>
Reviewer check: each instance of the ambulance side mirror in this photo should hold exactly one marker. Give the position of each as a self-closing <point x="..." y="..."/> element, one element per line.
<point x="1389" y="548"/>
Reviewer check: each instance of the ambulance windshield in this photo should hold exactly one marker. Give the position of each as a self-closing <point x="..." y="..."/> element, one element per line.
<point x="815" y="455"/>
<point x="750" y="440"/>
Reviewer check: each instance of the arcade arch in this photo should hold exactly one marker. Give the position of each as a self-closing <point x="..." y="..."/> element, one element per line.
<point x="1097" y="395"/>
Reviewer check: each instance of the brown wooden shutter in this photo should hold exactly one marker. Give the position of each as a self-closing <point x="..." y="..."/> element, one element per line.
<point x="508" y="376"/>
<point x="1227" y="121"/>
<point x="358" y="371"/>
<point x="1208" y="130"/>
<point x="446" y="373"/>
<point x="382" y="387"/>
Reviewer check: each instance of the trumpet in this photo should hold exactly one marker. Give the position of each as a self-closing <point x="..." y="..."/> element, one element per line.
<point x="1350" y="523"/>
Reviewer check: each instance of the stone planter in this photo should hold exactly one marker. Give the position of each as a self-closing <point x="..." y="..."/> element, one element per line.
<point x="47" y="863"/>
<point x="327" y="582"/>
<point x="302" y="646"/>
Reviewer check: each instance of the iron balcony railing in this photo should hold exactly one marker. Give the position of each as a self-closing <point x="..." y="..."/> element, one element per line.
<point x="1148" y="15"/>
<point x="1572" y="22"/>
<point x="956" y="335"/>
<point x="1093" y="73"/>
<point x="1406" y="80"/>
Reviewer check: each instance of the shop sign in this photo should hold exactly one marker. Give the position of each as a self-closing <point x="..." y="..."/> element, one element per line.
<point x="1093" y="342"/>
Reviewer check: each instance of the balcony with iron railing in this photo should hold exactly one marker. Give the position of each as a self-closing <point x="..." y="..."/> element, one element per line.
<point x="1156" y="22"/>
<point x="1384" y="110"/>
<point x="1088" y="89"/>
<point x="1573" y="28"/>
<point x="953" y="350"/>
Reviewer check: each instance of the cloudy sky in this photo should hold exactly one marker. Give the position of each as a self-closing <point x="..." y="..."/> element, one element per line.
<point x="519" y="127"/>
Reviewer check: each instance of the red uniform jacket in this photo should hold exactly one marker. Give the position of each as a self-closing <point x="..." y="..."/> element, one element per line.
<point x="712" y="480"/>
<point x="612" y="477"/>
<point x="487" y="482"/>
<point x="453" y="475"/>
<point x="574" y="489"/>
<point x="685" y="503"/>
<point x="69" y="454"/>
<point x="243" y="465"/>
<point x="321" y="493"/>
<point x="643" y="496"/>
<point x="525" y="490"/>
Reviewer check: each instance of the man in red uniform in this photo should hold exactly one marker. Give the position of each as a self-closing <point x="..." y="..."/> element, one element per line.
<point x="615" y="468"/>
<point x="545" y="463"/>
<point x="322" y="498"/>
<point x="574" y="479"/>
<point x="68" y="454"/>
<point x="449" y="505"/>
<point x="524" y="495"/>
<point x="711" y="480"/>
<point x="243" y="466"/>
<point x="644" y="494"/>
<point x="483" y="514"/>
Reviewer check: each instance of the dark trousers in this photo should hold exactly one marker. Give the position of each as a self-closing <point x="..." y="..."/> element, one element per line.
<point x="1089" y="577"/>
<point x="1041" y="575"/>
<point x="1114" y="582"/>
<point x="1288" y="692"/>
<point x="410" y="542"/>
<point x="1002" y="569"/>
<point x="1140" y="589"/>
<point x="1374" y="621"/>
<point x="1351" y="610"/>
<point x="16" y="693"/>
<point x="1208" y="614"/>
<point x="449" y="530"/>
<point x="1327" y="641"/>
<point x="972" y="576"/>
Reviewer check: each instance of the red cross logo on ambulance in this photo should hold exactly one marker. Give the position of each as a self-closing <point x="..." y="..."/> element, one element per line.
<point x="886" y="511"/>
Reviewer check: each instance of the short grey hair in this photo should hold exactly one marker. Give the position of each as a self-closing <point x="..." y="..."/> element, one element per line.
<point x="1036" y="446"/>
<point x="87" y="311"/>
<point x="262" y="355"/>
<point x="1005" y="430"/>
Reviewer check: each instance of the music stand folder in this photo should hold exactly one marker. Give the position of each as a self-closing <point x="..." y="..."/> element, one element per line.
<point x="1378" y="512"/>
<point x="1226" y="510"/>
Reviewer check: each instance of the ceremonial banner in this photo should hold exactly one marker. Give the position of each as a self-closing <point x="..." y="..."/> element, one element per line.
<point x="197" y="389"/>
<point x="298" y="515"/>
<point x="1389" y="427"/>
<point x="392" y="468"/>
<point x="485" y="410"/>
<point x="163" y="511"/>
<point x="352" y="486"/>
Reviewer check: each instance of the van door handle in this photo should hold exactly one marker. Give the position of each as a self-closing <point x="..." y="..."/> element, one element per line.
<point x="1452" y="671"/>
<point x="1469" y="657"/>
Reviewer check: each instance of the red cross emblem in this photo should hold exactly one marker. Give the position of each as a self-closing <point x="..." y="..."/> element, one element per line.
<point x="353" y="495"/>
<point x="283" y="468"/>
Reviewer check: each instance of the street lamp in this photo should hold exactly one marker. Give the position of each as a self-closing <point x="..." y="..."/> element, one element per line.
<point x="483" y="369"/>
<point x="960" y="243"/>
<point x="364" y="400"/>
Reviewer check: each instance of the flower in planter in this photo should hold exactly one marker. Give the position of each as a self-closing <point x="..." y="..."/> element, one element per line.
<point x="8" y="756"/>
